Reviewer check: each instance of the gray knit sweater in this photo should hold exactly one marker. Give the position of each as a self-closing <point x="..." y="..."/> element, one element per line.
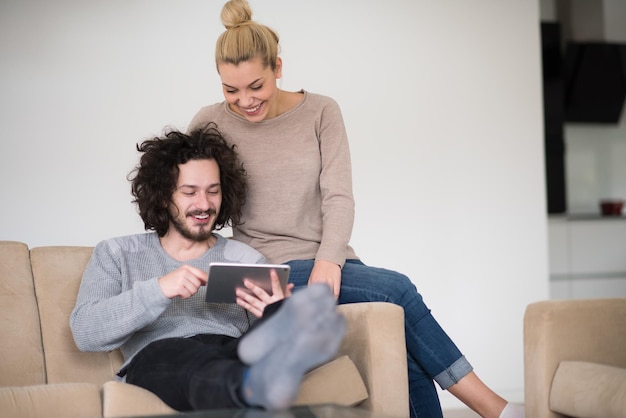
<point x="120" y="303"/>
<point x="300" y="204"/>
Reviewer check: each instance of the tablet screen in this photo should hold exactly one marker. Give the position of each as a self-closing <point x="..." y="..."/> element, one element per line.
<point x="225" y="278"/>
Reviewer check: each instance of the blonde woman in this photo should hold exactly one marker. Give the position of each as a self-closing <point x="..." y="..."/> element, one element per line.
<point x="300" y="207"/>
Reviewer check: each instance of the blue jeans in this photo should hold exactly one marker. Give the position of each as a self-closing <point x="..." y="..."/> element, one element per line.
<point x="431" y="354"/>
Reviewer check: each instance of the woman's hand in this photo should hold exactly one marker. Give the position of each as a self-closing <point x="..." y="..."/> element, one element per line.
<point x="326" y="272"/>
<point x="255" y="299"/>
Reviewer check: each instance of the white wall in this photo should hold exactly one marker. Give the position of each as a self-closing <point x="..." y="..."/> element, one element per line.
<point x="442" y="102"/>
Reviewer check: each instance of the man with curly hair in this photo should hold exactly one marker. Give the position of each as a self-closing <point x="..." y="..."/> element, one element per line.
<point x="145" y="293"/>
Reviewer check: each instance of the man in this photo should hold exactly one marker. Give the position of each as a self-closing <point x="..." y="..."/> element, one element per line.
<point x="144" y="293"/>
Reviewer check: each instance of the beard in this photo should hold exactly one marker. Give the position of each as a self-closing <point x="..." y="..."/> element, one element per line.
<point x="200" y="233"/>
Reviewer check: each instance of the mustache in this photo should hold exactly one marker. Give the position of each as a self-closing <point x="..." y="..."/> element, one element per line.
<point x="209" y="212"/>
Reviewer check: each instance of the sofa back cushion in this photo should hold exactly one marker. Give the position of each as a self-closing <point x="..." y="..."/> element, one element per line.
<point x="21" y="352"/>
<point x="57" y="273"/>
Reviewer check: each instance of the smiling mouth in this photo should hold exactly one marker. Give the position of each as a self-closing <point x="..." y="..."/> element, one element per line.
<point x="252" y="110"/>
<point x="202" y="216"/>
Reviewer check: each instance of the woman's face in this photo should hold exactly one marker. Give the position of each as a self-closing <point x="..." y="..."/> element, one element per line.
<point x="250" y="88"/>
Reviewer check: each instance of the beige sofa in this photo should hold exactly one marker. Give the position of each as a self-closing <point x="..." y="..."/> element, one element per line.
<point x="43" y="374"/>
<point x="575" y="358"/>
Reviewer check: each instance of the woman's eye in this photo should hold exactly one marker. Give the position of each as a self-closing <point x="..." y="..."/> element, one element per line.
<point x="257" y="87"/>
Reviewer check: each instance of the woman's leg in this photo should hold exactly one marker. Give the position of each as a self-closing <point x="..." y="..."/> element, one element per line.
<point x="432" y="355"/>
<point x="423" y="396"/>
<point x="362" y="284"/>
<point x="474" y="393"/>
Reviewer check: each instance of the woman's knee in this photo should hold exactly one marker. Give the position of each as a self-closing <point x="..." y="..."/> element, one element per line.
<point x="379" y="284"/>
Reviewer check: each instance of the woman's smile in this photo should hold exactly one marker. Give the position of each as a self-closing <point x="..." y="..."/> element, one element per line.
<point x="252" y="111"/>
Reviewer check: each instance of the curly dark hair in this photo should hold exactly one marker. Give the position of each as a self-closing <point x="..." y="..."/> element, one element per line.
<point x="154" y="179"/>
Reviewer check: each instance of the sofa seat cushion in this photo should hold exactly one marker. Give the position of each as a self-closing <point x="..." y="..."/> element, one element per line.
<point x="68" y="400"/>
<point x="125" y="400"/>
<point x="583" y="389"/>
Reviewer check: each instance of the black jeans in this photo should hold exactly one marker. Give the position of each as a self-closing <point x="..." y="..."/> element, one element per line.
<point x="200" y="372"/>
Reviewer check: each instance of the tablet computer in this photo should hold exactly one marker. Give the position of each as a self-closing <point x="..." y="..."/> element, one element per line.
<point x="225" y="278"/>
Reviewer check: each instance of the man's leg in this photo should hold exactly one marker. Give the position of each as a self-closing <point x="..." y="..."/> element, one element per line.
<point x="201" y="372"/>
<point x="305" y="332"/>
<point x="205" y="372"/>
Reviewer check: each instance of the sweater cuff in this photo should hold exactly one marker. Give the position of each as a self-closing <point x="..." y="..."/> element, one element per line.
<point x="152" y="296"/>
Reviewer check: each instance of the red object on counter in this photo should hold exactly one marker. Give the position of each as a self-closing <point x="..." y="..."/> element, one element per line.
<point x="611" y="207"/>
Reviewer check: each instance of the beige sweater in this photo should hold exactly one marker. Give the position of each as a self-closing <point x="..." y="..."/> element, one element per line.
<point x="300" y="204"/>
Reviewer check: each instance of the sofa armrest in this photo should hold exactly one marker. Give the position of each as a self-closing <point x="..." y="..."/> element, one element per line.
<point x="589" y="330"/>
<point x="376" y="344"/>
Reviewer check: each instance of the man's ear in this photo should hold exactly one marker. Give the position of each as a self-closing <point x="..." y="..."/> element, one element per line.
<point x="278" y="71"/>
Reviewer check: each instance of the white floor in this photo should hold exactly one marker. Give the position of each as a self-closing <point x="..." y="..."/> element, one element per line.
<point x="460" y="413"/>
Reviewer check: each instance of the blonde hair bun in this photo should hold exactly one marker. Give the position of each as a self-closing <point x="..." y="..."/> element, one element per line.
<point x="244" y="39"/>
<point x="236" y="13"/>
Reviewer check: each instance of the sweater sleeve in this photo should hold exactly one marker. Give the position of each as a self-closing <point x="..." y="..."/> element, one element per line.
<point x="110" y="307"/>
<point x="335" y="186"/>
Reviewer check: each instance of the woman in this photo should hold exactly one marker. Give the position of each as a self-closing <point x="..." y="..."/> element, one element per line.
<point x="300" y="207"/>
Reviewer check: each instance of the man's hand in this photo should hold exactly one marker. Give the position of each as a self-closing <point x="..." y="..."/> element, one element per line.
<point x="256" y="299"/>
<point x="326" y="272"/>
<point x="183" y="282"/>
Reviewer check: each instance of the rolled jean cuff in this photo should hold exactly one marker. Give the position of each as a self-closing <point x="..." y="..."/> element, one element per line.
<point x="458" y="370"/>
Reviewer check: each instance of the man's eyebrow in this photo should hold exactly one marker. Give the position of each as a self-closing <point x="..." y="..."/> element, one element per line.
<point x="193" y="186"/>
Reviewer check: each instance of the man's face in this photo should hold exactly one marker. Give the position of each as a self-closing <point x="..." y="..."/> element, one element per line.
<point x="197" y="199"/>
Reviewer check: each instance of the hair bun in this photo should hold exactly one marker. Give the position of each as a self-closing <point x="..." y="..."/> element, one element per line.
<point x="236" y="13"/>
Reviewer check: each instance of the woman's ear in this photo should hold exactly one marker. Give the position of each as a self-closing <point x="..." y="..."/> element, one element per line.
<point x="278" y="71"/>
